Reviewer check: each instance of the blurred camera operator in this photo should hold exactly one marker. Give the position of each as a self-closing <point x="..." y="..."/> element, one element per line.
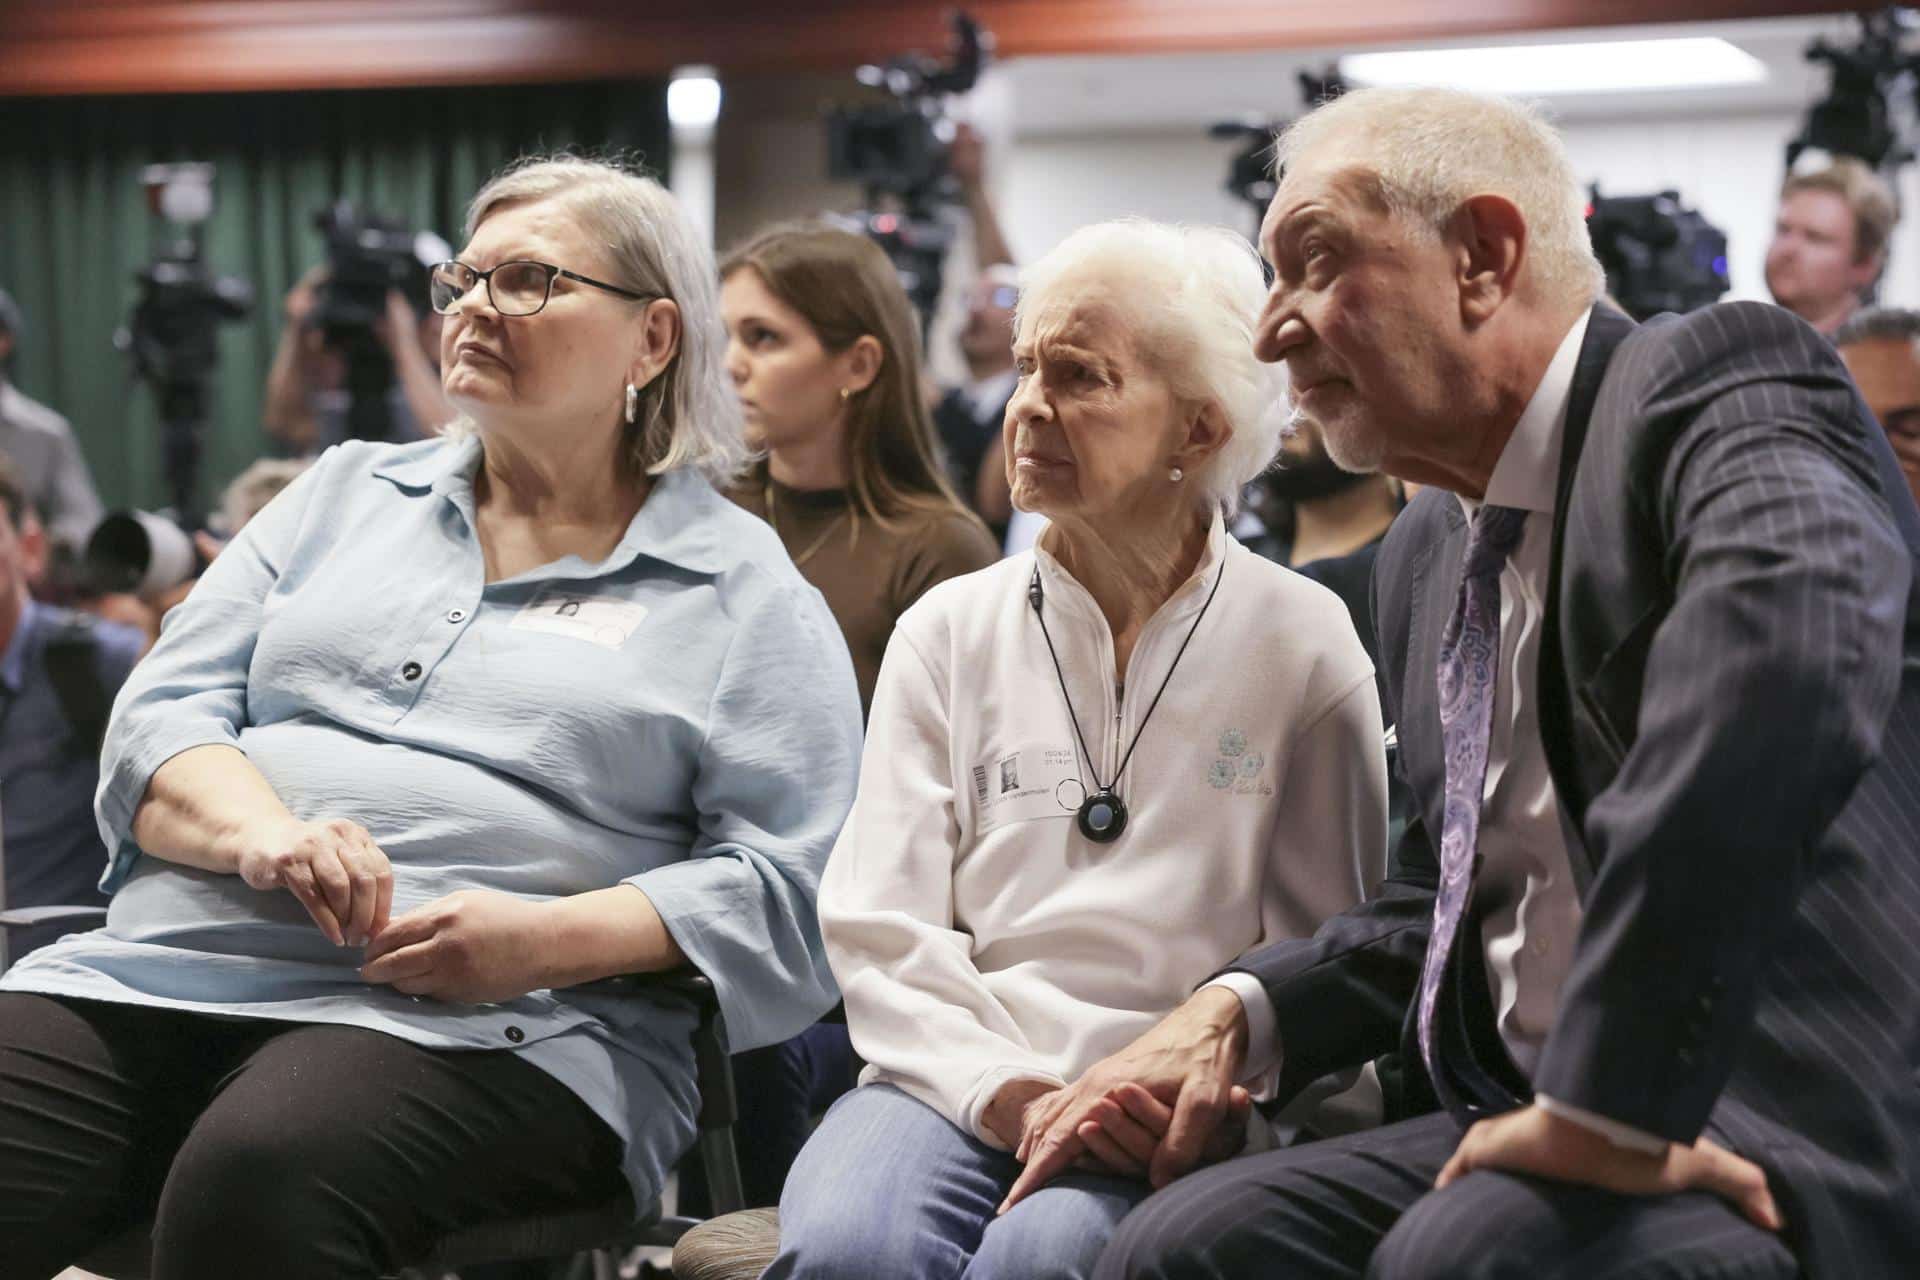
<point x="1325" y="522"/>
<point x="1830" y="242"/>
<point x="306" y="399"/>
<point x="40" y="444"/>
<point x="968" y="416"/>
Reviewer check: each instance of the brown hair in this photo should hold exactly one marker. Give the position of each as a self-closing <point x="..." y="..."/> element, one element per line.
<point x="1866" y="194"/>
<point x="842" y="285"/>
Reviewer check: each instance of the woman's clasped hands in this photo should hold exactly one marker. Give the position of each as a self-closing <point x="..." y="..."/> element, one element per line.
<point x="475" y="946"/>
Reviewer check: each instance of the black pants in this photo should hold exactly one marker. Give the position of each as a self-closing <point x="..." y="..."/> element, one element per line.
<point x="1364" y="1205"/>
<point x="269" y="1148"/>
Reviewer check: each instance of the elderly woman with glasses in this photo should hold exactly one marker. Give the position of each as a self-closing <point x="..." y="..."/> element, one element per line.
<point x="1095" y="774"/>
<point x="448" y="730"/>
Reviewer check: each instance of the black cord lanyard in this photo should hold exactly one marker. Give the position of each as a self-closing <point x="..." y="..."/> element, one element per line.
<point x="1103" y="815"/>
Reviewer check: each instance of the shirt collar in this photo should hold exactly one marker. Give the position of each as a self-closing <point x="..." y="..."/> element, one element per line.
<point x="1527" y="474"/>
<point x="13" y="663"/>
<point x="678" y="523"/>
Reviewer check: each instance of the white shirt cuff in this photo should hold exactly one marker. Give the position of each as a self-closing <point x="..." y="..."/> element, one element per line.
<point x="1263" y="1045"/>
<point x="1620" y="1135"/>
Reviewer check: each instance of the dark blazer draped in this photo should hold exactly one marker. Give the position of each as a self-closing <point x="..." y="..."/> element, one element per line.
<point x="1729" y="695"/>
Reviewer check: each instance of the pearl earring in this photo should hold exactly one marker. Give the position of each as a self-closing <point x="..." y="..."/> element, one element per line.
<point x="1176" y="475"/>
<point x="846" y="393"/>
<point x="633" y="403"/>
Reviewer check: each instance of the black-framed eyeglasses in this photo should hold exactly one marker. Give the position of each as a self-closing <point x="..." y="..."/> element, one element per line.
<point x="518" y="288"/>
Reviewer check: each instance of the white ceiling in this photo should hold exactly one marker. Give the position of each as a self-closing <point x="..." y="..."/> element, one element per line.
<point x="1181" y="92"/>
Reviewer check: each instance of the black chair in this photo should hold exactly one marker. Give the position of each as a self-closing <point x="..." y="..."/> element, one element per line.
<point x="593" y="1237"/>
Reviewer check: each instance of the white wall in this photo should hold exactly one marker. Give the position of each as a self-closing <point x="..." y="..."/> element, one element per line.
<point x="1729" y="167"/>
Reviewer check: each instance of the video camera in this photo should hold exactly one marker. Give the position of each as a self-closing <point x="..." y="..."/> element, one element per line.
<point x="1658" y="255"/>
<point x="1854" y="118"/>
<point x="171" y="334"/>
<point x="1250" y="172"/>
<point x="367" y="257"/>
<point x="897" y="152"/>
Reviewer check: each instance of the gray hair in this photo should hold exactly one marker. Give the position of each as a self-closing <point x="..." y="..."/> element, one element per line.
<point x="1192" y="296"/>
<point x="254" y="488"/>
<point x="688" y="416"/>
<point x="1895" y="324"/>
<point x="1430" y="150"/>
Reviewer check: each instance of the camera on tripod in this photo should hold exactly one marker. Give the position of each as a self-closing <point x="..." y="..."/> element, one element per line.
<point x="171" y="334"/>
<point x="897" y="151"/>
<point x="1855" y="118"/>
<point x="1658" y="254"/>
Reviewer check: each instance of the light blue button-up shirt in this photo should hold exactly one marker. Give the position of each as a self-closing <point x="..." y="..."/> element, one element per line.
<point x="681" y="716"/>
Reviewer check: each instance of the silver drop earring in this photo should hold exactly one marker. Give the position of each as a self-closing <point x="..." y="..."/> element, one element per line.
<point x="1176" y="475"/>
<point x="633" y="403"/>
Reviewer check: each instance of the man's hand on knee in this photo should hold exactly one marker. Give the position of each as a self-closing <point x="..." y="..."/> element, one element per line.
<point x="1537" y="1142"/>
<point x="1188" y="1062"/>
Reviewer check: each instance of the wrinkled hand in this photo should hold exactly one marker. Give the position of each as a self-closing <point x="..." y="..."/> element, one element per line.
<point x="1125" y="1129"/>
<point x="333" y="867"/>
<point x="1540" y="1143"/>
<point x="472" y="947"/>
<point x="1007" y="1114"/>
<point x="1189" y="1062"/>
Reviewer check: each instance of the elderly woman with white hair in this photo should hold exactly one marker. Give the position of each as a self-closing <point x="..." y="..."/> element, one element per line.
<point x="1095" y="774"/>
<point x="448" y="729"/>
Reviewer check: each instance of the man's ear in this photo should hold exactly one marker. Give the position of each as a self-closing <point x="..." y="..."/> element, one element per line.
<point x="659" y="339"/>
<point x="1489" y="236"/>
<point x="862" y="363"/>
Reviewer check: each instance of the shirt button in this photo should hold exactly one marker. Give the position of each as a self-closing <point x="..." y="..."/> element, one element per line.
<point x="411" y="671"/>
<point x="516" y="1035"/>
<point x="456" y="615"/>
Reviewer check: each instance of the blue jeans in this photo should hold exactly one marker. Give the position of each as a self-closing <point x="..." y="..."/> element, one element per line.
<point x="888" y="1188"/>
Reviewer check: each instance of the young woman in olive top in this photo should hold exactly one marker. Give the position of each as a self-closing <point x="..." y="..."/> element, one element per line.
<point x="824" y="350"/>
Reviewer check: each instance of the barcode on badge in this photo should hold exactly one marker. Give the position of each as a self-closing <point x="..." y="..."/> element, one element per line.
<point x="980" y="783"/>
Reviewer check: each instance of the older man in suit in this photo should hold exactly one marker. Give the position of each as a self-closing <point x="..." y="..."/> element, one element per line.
<point x="1652" y="646"/>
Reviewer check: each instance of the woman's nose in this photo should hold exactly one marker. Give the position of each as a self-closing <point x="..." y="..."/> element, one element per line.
<point x="1028" y="404"/>
<point x="736" y="362"/>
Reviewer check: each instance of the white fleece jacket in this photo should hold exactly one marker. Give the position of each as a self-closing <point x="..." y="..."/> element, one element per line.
<point x="977" y="936"/>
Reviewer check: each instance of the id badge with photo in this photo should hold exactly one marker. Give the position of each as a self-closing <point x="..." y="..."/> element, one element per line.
<point x="1034" y="781"/>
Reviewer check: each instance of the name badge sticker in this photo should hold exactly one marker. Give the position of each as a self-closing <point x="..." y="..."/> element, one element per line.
<point x="603" y="620"/>
<point x="1029" y="782"/>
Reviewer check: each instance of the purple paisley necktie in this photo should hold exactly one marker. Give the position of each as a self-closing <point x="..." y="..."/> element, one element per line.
<point x="1469" y="660"/>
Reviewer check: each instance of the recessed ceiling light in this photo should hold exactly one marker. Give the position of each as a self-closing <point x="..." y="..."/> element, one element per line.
<point x="1608" y="66"/>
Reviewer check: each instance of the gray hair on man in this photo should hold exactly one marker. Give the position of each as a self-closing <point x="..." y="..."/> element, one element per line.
<point x="1879" y="324"/>
<point x="689" y="415"/>
<point x="1430" y="150"/>
<point x="1191" y="296"/>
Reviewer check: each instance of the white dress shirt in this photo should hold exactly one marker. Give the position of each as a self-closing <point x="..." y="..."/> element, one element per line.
<point x="1525" y="881"/>
<point x="978" y="938"/>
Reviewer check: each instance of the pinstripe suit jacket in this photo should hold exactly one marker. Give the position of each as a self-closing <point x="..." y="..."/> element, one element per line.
<point x="1729" y="687"/>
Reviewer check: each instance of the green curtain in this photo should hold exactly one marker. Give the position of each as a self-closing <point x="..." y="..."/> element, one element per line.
<point x="74" y="226"/>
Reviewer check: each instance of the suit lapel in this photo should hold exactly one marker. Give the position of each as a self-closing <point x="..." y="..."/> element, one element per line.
<point x="1606" y="330"/>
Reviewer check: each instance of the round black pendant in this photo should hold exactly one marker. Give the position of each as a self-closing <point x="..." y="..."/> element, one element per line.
<point x="1102" y="817"/>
